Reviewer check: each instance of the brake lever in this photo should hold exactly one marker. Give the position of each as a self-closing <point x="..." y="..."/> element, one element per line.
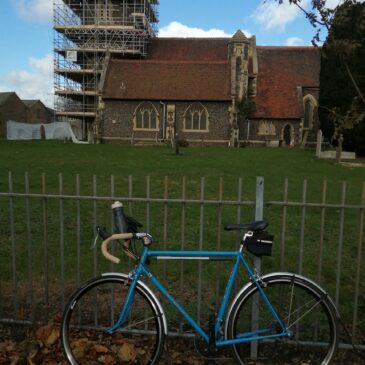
<point x="102" y="233"/>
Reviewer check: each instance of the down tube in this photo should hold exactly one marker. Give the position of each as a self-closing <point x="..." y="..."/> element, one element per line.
<point x="172" y="300"/>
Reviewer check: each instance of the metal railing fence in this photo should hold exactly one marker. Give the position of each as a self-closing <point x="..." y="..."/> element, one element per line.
<point x="46" y="233"/>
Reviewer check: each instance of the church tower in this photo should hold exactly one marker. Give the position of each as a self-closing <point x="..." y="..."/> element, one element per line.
<point x="243" y="63"/>
<point x="238" y="53"/>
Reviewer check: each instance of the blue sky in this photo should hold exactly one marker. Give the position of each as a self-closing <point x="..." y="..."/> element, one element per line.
<point x="26" y="35"/>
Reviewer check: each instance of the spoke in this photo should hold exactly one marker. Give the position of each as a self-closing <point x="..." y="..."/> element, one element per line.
<point x="291" y="302"/>
<point x="305" y="313"/>
<point x="292" y="314"/>
<point x="138" y="323"/>
<point x="304" y="310"/>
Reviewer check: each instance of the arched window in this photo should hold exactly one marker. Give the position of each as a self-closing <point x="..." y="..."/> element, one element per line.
<point x="146" y="117"/>
<point x="309" y="107"/>
<point x="196" y="118"/>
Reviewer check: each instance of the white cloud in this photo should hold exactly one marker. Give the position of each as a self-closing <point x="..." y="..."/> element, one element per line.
<point x="38" y="11"/>
<point x="295" y="41"/>
<point x="332" y="3"/>
<point x="36" y="84"/>
<point x="274" y="16"/>
<point x="176" y="29"/>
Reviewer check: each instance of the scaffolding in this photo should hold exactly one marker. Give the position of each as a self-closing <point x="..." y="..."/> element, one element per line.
<point x="86" y="33"/>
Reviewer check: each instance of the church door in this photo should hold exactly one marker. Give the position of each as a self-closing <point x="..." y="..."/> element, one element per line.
<point x="287" y="134"/>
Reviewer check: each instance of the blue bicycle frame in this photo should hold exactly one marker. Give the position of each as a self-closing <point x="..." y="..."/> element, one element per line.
<point x="142" y="269"/>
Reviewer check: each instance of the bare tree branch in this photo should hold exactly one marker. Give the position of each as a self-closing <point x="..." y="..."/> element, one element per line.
<point x="354" y="83"/>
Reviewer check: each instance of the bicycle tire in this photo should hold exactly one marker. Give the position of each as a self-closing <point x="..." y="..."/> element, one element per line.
<point x="95" y="307"/>
<point x="306" y="310"/>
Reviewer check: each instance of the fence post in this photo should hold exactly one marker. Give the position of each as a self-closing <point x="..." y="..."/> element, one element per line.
<point x="259" y="206"/>
<point x="259" y="213"/>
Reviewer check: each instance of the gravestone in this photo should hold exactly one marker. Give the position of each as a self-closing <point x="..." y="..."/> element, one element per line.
<point x="319" y="143"/>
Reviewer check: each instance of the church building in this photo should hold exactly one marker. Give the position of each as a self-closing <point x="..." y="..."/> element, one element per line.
<point x="212" y="91"/>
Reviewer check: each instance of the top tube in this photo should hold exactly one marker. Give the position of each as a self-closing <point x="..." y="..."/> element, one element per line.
<point x="193" y="255"/>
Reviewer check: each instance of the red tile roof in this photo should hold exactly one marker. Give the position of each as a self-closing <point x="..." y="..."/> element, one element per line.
<point x="198" y="69"/>
<point x="280" y="71"/>
<point x="189" y="49"/>
<point x="167" y="80"/>
<point x="176" y="69"/>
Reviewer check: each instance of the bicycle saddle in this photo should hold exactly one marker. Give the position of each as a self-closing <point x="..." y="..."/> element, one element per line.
<point x="254" y="226"/>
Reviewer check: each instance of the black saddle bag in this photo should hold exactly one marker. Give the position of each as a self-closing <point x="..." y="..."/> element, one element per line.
<point x="259" y="244"/>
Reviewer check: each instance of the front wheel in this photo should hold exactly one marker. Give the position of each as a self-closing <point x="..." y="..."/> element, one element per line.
<point x="95" y="308"/>
<point x="304" y="309"/>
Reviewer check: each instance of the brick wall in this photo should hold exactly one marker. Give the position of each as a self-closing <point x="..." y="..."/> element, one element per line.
<point x="269" y="130"/>
<point x="12" y="109"/>
<point x="118" y="123"/>
<point x="37" y="113"/>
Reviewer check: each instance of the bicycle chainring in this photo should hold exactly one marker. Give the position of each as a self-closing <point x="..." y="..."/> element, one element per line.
<point x="210" y="352"/>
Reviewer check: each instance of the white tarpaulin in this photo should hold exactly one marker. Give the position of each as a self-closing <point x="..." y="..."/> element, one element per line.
<point x="57" y="130"/>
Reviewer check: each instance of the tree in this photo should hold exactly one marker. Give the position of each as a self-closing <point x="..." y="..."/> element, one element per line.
<point x="342" y="88"/>
<point x="342" y="105"/>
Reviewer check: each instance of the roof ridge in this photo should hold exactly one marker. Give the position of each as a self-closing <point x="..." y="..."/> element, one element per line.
<point x="4" y="95"/>
<point x="289" y="48"/>
<point x="168" y="61"/>
<point x="192" y="38"/>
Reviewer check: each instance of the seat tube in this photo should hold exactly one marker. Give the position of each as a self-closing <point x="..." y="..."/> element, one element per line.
<point x="227" y="294"/>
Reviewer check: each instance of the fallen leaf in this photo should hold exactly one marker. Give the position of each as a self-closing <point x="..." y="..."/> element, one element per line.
<point x="80" y="342"/>
<point x="141" y="351"/>
<point x="94" y="351"/>
<point x="53" y="337"/>
<point x="10" y="347"/>
<point x="32" y="358"/>
<point x="78" y="347"/>
<point x="100" y="348"/>
<point x="14" y="360"/>
<point x="127" y="352"/>
<point x="44" y="332"/>
<point x="108" y="360"/>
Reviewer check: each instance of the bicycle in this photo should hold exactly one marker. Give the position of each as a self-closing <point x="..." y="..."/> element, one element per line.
<point x="117" y="319"/>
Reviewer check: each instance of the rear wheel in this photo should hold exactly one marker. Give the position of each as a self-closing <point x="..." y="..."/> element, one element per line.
<point x="305" y="310"/>
<point x="96" y="307"/>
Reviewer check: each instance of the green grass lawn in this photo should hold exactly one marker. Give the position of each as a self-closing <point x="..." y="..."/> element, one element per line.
<point x="274" y="164"/>
<point x="111" y="169"/>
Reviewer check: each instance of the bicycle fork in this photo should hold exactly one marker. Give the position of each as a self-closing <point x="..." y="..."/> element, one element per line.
<point x="132" y="282"/>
